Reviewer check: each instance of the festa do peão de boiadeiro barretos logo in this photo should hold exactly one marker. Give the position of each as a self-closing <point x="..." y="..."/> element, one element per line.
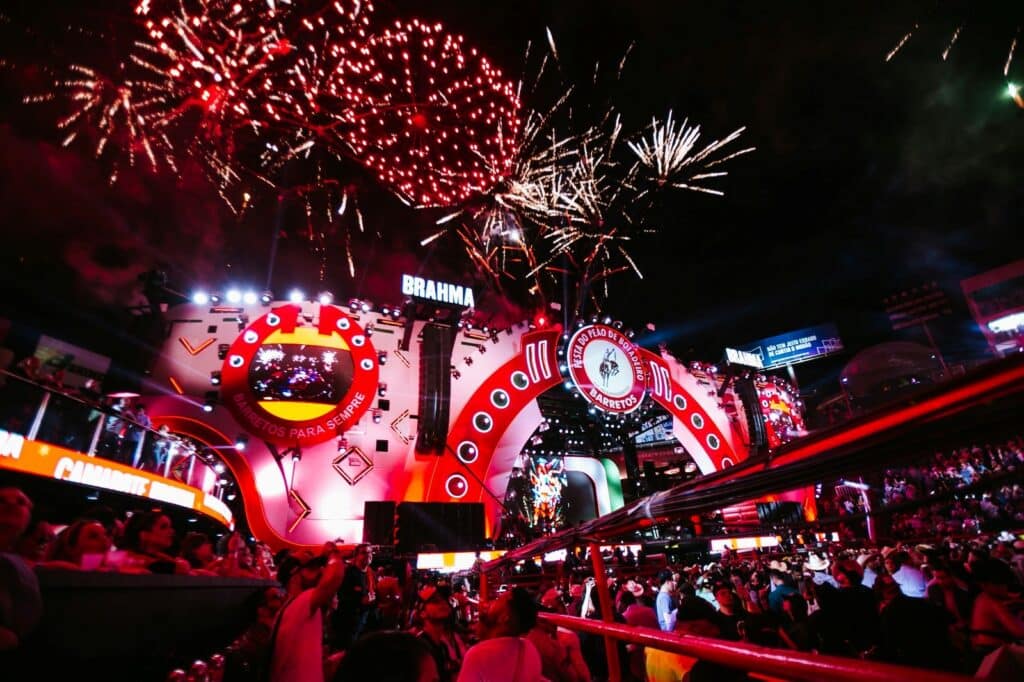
<point x="606" y="368"/>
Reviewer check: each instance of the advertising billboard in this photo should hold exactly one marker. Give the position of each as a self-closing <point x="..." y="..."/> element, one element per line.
<point x="797" y="346"/>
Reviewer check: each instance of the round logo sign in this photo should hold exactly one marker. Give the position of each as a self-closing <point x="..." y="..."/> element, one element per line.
<point x="292" y="384"/>
<point x="606" y="367"/>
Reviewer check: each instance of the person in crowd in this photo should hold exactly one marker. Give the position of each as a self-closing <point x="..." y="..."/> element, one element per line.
<point x="910" y="578"/>
<point x="82" y="545"/>
<point x="137" y="429"/>
<point x="868" y="562"/>
<point x="445" y="645"/>
<point x="912" y="631"/>
<point x="160" y="450"/>
<point x="848" y="620"/>
<point x="112" y="521"/>
<point x="197" y="550"/>
<point x="731" y="615"/>
<point x="950" y="592"/>
<point x="247" y="657"/>
<point x="148" y="537"/>
<point x="817" y="566"/>
<point x="355" y="598"/>
<point x="782" y="585"/>
<point x="795" y="630"/>
<point x="691" y="619"/>
<point x="666" y="602"/>
<point x="296" y="643"/>
<point x="388" y="657"/>
<point x="756" y="600"/>
<point x="503" y="654"/>
<point x="639" y="613"/>
<point x="20" y="602"/>
<point x="570" y="665"/>
<point x="993" y="624"/>
<point x="112" y="440"/>
<point x="35" y="542"/>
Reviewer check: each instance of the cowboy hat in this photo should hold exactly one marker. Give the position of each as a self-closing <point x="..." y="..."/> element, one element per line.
<point x="816" y="562"/>
<point x="864" y="557"/>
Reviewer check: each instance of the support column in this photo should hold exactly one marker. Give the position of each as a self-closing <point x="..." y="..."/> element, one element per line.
<point x="33" y="430"/>
<point x="611" y="645"/>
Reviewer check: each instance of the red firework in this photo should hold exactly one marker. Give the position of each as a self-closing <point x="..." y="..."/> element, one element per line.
<point x="434" y="119"/>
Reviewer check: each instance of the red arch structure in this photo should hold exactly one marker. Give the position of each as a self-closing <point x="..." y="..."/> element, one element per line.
<point x="478" y="429"/>
<point x="707" y="438"/>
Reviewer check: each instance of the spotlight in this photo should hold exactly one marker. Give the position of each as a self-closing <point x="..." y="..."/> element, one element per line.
<point x="250" y="298"/>
<point x="214" y="299"/>
<point x="377" y="416"/>
<point x="342" y="443"/>
<point x="229" y="497"/>
<point x="200" y="298"/>
<point x="266" y="297"/>
<point x="210" y="399"/>
<point x="219" y="467"/>
<point x="207" y="407"/>
<point x="296" y="296"/>
<point x="234" y="296"/>
<point x="215" y="378"/>
<point x="396" y="313"/>
<point x="222" y="350"/>
<point x="382" y="357"/>
<point x="241" y="441"/>
<point x="382" y="389"/>
<point x="353" y="305"/>
<point x="365" y="307"/>
<point x="385" y="311"/>
<point x="325" y="297"/>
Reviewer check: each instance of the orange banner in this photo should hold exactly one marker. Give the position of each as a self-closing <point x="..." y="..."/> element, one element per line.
<point x="42" y="459"/>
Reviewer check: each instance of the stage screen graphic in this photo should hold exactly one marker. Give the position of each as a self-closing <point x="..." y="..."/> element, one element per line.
<point x="300" y="373"/>
<point x="547" y="482"/>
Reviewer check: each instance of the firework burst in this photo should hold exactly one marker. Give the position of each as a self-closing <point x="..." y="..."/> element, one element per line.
<point x="115" y="117"/>
<point x="433" y="117"/>
<point x="955" y="20"/>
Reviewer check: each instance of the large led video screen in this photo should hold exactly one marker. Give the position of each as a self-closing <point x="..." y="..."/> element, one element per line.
<point x="300" y="373"/>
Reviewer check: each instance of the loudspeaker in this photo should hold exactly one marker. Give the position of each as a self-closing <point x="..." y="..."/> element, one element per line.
<point x="435" y="388"/>
<point x="378" y="523"/>
<point x="440" y="526"/>
<point x="747" y="392"/>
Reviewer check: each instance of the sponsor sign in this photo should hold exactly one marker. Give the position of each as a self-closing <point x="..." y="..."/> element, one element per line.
<point x="798" y="346"/>
<point x="51" y="461"/>
<point x="742" y="357"/>
<point x="606" y="368"/>
<point x="291" y="384"/>
<point x="439" y="292"/>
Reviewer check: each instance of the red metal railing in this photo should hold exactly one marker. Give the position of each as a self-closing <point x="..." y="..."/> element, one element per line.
<point x="788" y="665"/>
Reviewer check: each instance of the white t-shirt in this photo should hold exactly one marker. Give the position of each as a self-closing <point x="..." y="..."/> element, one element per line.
<point x="298" y="647"/>
<point x="502" y="659"/>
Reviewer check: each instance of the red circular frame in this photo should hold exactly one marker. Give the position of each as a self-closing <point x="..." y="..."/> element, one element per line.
<point x="591" y="392"/>
<point x="239" y="399"/>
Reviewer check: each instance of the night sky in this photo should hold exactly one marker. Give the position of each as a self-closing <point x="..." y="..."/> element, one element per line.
<point x="869" y="177"/>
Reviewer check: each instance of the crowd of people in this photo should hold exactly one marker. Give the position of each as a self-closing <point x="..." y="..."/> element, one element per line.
<point x="956" y="469"/>
<point x="333" y="615"/>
